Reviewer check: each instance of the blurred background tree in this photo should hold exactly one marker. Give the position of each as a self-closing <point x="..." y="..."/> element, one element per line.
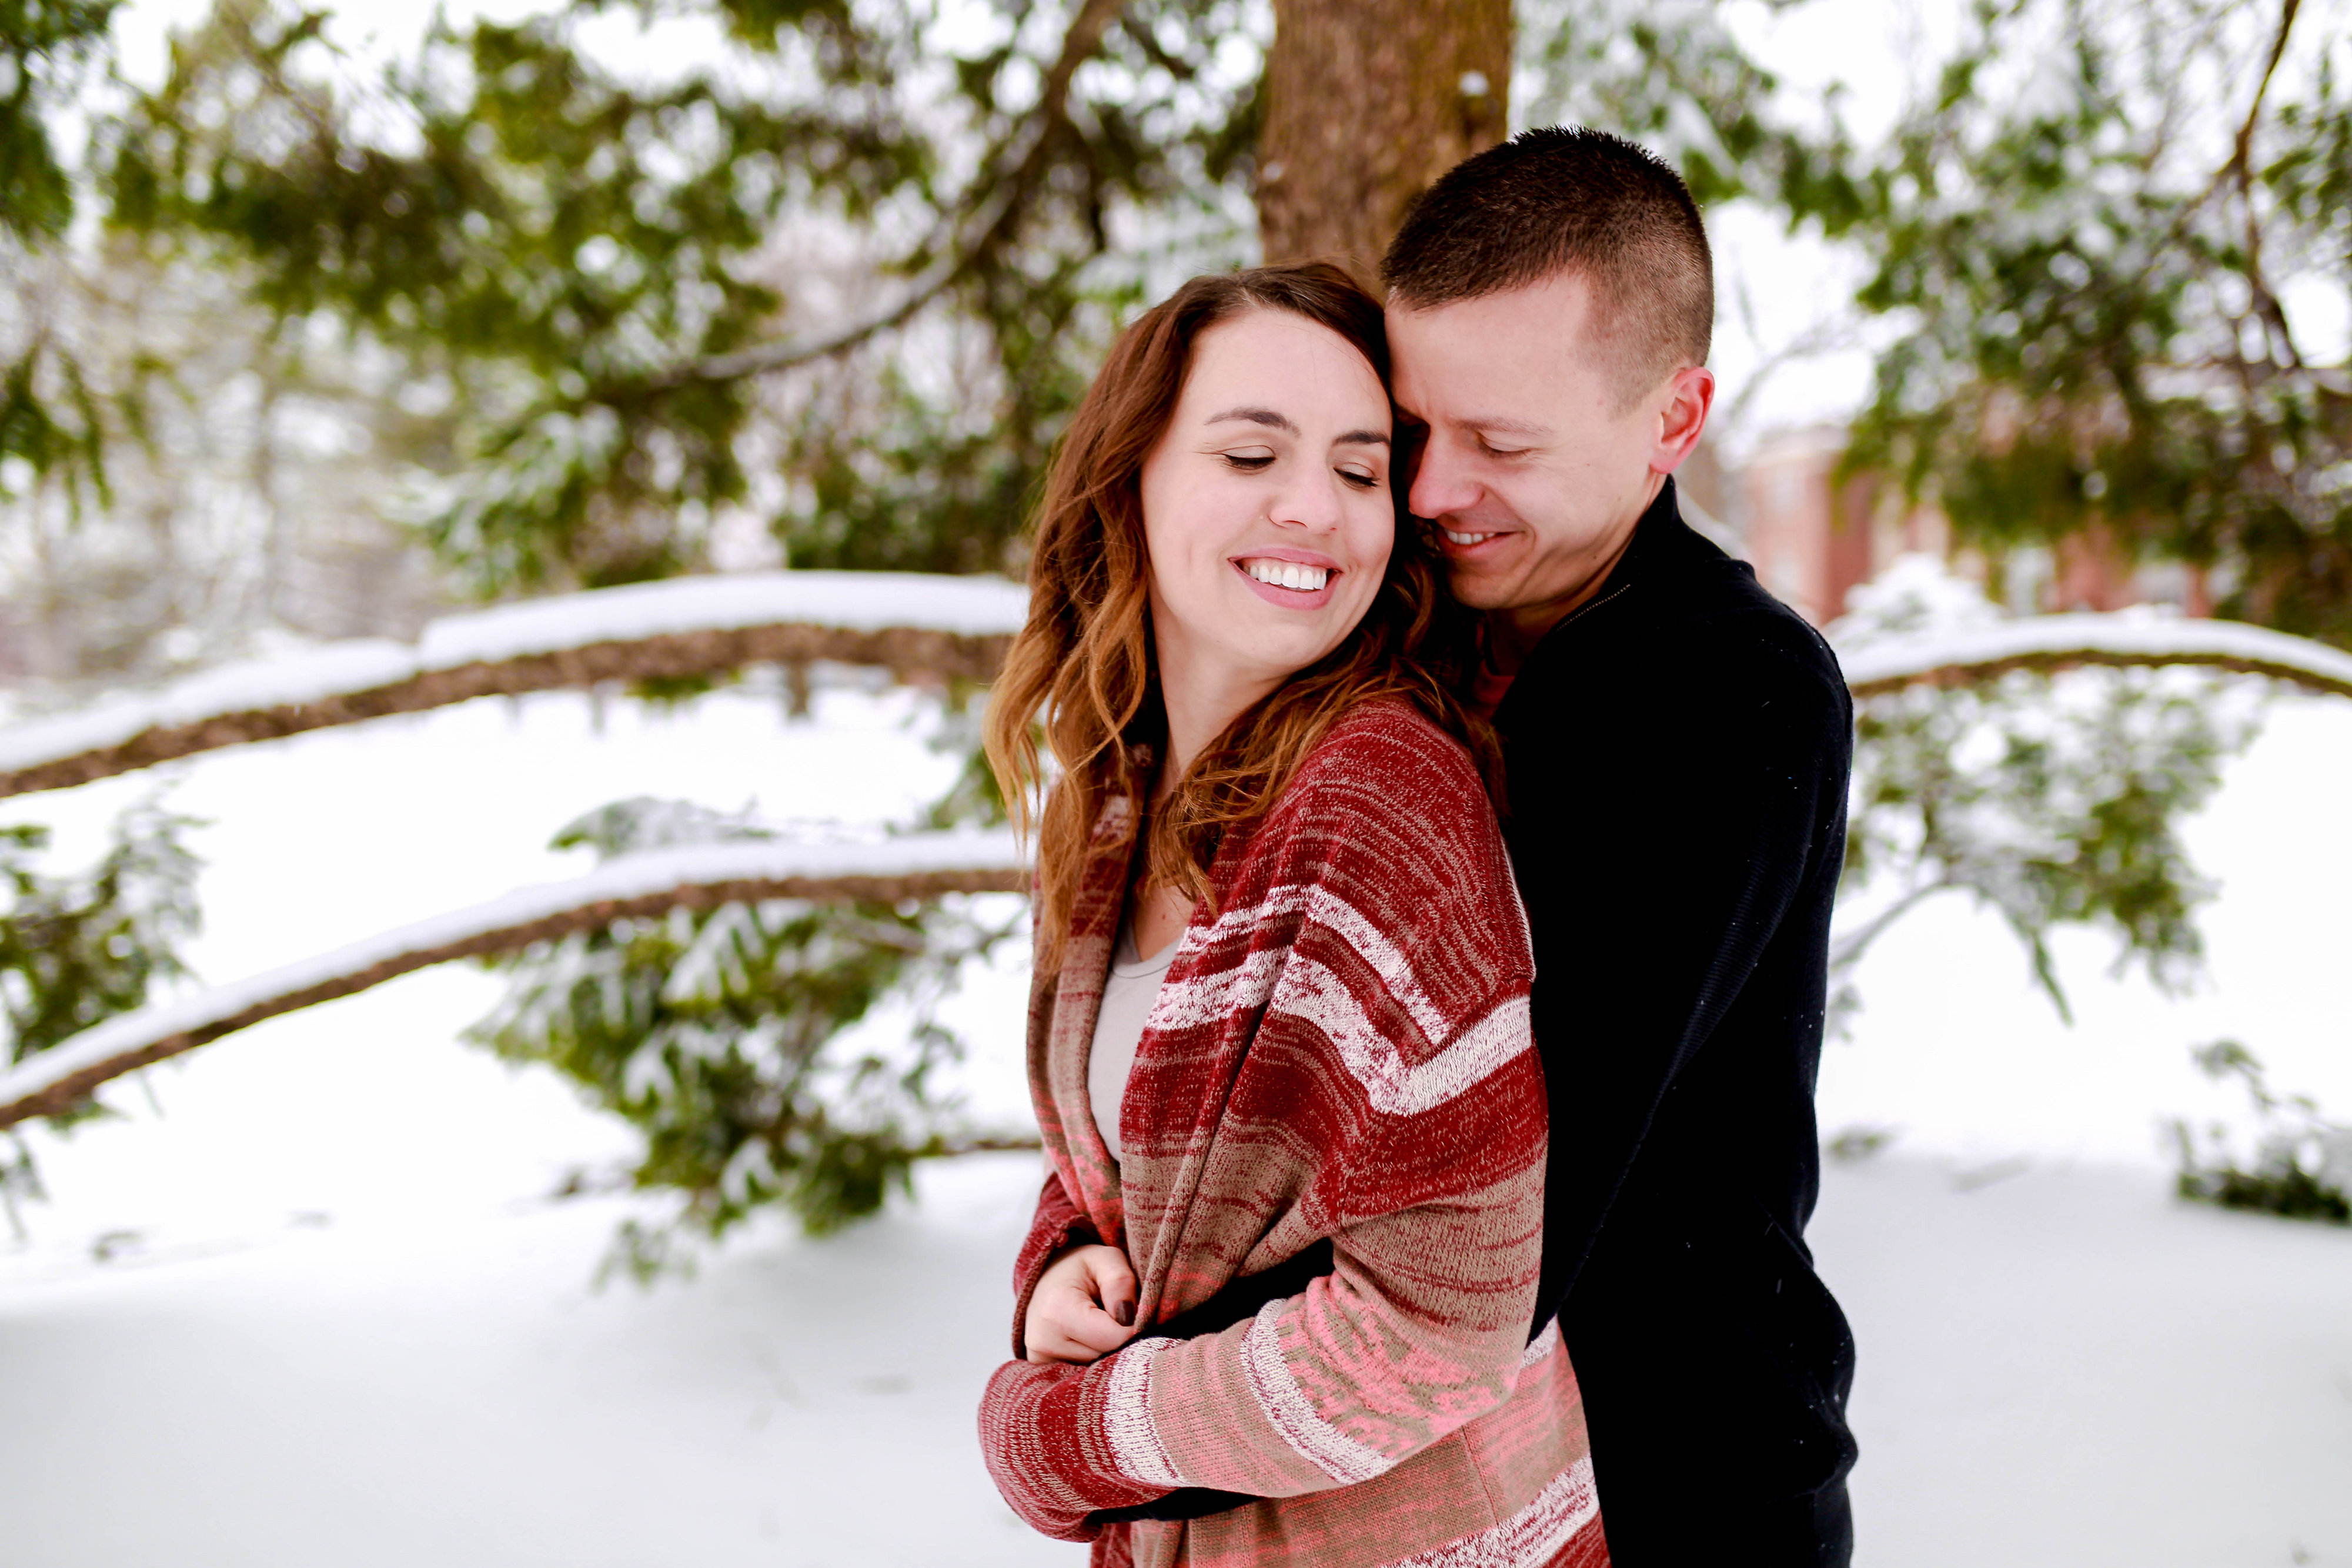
<point x="300" y="339"/>
<point x="820" y="281"/>
<point x="2108" y="237"/>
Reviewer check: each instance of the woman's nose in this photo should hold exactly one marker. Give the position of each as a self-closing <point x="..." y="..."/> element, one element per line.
<point x="1313" y="503"/>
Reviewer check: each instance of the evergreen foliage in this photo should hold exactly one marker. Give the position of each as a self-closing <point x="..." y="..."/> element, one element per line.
<point x="2050" y="799"/>
<point x="847" y="274"/>
<point x="2087" y="231"/>
<point x="49" y="417"/>
<point x="717" y="1034"/>
<point x="1678" y="80"/>
<point x="613" y="280"/>
<point x="46" y="48"/>
<point x="2302" y="1164"/>
<point x="76" y="950"/>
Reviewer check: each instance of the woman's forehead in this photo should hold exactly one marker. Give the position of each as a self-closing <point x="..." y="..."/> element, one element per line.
<point x="1283" y="364"/>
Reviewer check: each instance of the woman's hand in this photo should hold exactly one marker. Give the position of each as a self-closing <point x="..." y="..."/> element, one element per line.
<point x="1083" y="1307"/>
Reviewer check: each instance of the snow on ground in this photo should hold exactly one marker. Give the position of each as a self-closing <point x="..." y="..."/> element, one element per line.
<point x="340" y="1324"/>
<point x="383" y="1397"/>
<point x="2061" y="1367"/>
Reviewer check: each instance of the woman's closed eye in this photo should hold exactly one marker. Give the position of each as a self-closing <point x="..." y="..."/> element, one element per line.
<point x="1249" y="460"/>
<point x="1361" y="478"/>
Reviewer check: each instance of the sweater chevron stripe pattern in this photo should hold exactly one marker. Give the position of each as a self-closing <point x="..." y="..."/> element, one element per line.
<point x="1339" y="1053"/>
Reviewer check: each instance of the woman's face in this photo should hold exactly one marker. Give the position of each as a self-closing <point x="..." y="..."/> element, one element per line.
<point x="1266" y="508"/>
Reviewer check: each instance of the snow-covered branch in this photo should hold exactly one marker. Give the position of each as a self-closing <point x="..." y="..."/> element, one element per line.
<point x="1964" y="654"/>
<point x="912" y="623"/>
<point x="653" y="883"/>
<point x="915" y="624"/>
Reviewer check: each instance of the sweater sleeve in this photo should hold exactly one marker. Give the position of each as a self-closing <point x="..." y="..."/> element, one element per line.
<point x="1057" y="1224"/>
<point x="1420" y="1328"/>
<point x="1363" y="1370"/>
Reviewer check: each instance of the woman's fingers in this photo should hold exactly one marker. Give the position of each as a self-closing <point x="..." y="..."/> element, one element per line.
<point x="1083" y="1308"/>
<point x="1114" y="1283"/>
<point x="1066" y="1325"/>
<point x="1095" y="1328"/>
<point x="1074" y="1319"/>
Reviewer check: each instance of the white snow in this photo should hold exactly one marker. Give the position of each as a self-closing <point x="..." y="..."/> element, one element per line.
<point x="340" y="1325"/>
<point x="626" y="877"/>
<point x="850" y="600"/>
<point x="2062" y="1367"/>
<point x="2127" y="633"/>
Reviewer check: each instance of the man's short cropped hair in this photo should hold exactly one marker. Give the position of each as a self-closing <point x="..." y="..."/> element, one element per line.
<point x="1566" y="199"/>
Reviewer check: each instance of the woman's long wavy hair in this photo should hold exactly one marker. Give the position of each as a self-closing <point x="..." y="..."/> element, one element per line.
<point x="1084" y="661"/>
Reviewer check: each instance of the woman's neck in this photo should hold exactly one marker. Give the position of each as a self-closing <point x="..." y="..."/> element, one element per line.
<point x="1202" y="698"/>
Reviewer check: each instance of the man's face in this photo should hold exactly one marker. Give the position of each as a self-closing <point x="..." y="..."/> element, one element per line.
<point x="1533" y="465"/>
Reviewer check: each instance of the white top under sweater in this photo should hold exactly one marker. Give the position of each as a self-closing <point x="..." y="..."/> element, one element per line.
<point x="1128" y="991"/>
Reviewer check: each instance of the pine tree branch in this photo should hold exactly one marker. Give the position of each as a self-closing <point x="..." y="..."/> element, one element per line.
<point x="1848" y="949"/>
<point x="2050" y="642"/>
<point x="993" y="211"/>
<point x="642" y="887"/>
<point x="916" y="626"/>
<point x="944" y="628"/>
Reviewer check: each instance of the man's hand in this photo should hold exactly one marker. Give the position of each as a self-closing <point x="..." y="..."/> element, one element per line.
<point x="1083" y="1307"/>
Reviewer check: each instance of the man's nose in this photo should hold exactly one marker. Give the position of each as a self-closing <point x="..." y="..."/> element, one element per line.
<point x="1440" y="483"/>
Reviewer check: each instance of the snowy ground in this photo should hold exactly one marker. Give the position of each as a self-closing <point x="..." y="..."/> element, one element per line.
<point x="339" y="1325"/>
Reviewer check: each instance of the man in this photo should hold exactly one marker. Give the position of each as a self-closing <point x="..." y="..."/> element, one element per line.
<point x="1676" y="747"/>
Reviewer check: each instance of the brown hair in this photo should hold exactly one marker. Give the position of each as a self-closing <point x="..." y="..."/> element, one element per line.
<point x="1084" y="662"/>
<point x="1566" y="199"/>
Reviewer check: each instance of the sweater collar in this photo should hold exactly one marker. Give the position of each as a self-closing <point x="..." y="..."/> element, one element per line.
<point x="1662" y="545"/>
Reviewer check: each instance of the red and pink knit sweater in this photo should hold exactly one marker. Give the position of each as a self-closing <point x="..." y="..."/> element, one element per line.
<point x="1339" y="1051"/>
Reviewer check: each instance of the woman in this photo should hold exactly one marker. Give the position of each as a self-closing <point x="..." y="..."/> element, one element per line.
<point x="1281" y="995"/>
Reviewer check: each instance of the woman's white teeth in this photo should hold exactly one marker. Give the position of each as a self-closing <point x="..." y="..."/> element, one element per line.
<point x="1466" y="539"/>
<point x="1287" y="574"/>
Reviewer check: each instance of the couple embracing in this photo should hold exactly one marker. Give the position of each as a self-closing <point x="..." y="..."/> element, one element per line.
<point x="1432" y="925"/>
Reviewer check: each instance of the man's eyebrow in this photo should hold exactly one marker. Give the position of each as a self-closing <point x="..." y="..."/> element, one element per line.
<point x="1501" y="425"/>
<point x="1265" y="416"/>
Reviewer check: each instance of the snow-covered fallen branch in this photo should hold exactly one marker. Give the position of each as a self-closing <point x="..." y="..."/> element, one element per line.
<point x="696" y="877"/>
<point x="915" y="624"/>
<point x="1964" y="654"/>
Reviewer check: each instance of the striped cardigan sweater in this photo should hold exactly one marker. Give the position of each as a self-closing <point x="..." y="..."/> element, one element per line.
<point x="1339" y="1051"/>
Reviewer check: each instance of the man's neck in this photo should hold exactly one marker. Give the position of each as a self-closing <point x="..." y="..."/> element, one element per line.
<point x="1513" y="631"/>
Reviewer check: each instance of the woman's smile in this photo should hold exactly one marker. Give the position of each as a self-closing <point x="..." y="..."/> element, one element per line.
<point x="1293" y="577"/>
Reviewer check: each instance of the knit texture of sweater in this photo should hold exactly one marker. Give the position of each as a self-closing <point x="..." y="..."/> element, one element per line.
<point x="1340" y="1055"/>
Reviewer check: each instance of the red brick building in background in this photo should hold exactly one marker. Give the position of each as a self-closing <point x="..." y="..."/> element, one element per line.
<point x="1813" y="537"/>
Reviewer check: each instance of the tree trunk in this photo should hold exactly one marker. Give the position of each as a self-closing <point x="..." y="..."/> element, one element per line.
<point x="1367" y="102"/>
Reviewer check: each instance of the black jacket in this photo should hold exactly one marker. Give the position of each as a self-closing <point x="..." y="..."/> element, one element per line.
<point x="1676" y="753"/>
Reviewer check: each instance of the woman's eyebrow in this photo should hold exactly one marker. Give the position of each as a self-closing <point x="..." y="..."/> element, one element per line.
<point x="1362" y="438"/>
<point x="1265" y="416"/>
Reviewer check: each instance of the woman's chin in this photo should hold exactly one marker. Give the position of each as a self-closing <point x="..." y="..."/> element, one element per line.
<point x="1274" y="660"/>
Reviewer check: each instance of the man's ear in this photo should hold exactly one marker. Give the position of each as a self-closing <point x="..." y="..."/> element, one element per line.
<point x="1689" y="397"/>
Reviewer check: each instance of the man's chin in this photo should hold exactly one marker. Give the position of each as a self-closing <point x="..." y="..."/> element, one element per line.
<point x="1480" y="590"/>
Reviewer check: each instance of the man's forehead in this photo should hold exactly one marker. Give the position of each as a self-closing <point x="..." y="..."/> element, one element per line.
<point x="1487" y="422"/>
